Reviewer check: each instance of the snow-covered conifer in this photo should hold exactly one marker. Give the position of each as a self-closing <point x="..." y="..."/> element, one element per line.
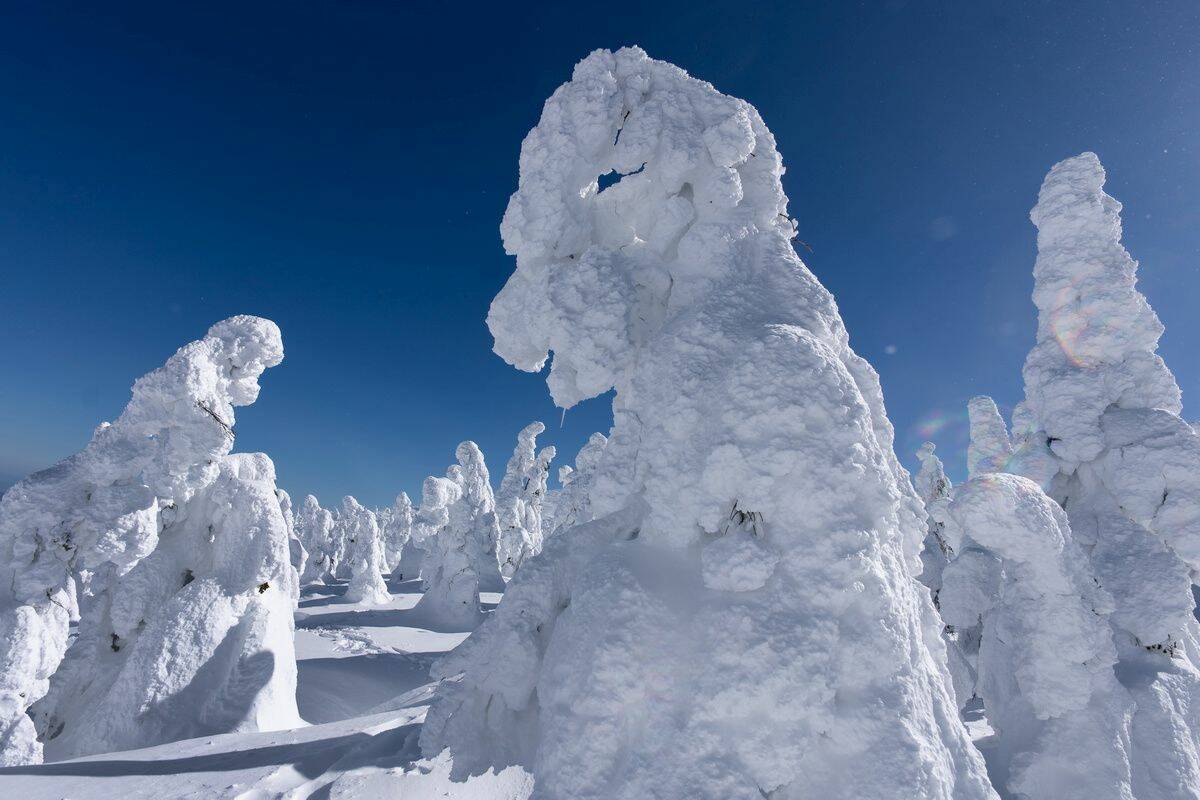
<point x="397" y="533"/>
<point x="451" y="585"/>
<point x="315" y="529"/>
<point x="364" y="554"/>
<point x="95" y="515"/>
<point x="519" y="501"/>
<point x="1128" y="467"/>
<point x="298" y="553"/>
<point x="798" y="656"/>
<point x="1046" y="656"/>
<point x="474" y="514"/>
<point x="990" y="449"/>
<point x="571" y="505"/>
<point x="197" y="638"/>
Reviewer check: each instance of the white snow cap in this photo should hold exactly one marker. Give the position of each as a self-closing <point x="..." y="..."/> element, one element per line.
<point x="616" y="666"/>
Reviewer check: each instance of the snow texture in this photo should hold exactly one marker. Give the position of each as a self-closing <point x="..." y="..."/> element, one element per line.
<point x="630" y="660"/>
<point x="364" y="554"/>
<point x="90" y="519"/>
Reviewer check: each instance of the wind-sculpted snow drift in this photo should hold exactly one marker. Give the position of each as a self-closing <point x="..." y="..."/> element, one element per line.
<point x="156" y="481"/>
<point x="741" y="619"/>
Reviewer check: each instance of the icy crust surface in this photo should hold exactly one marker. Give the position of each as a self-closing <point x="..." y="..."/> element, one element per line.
<point x="619" y="665"/>
<point x="1045" y="663"/>
<point x="99" y="512"/>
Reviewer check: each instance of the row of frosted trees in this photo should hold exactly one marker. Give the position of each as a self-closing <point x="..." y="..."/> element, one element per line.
<point x="149" y="581"/>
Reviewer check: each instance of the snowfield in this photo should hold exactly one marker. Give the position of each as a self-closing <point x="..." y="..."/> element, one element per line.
<point x="363" y="687"/>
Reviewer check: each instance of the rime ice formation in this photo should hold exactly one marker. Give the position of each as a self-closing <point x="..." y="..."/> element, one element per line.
<point x="990" y="448"/>
<point x="95" y="515"/>
<point x="571" y="505"/>
<point x="1045" y="662"/>
<point x="315" y="528"/>
<point x="364" y="554"/>
<point x="1128" y="468"/>
<point x="474" y="514"/>
<point x="741" y="619"/>
<point x="197" y="638"/>
<point x="933" y="487"/>
<point x="297" y="552"/>
<point x="519" y="501"/>
<point x="397" y="533"/>
<point x="451" y="585"/>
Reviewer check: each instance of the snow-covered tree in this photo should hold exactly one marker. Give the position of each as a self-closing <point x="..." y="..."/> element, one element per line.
<point x="92" y="517"/>
<point x="797" y="656"/>
<point x="475" y="515"/>
<point x="1046" y="656"/>
<point x="364" y="554"/>
<point x="398" y="532"/>
<point x="1099" y="397"/>
<point x="315" y="529"/>
<point x="451" y="585"/>
<point x="298" y="553"/>
<point x="990" y="449"/>
<point x="570" y="505"/>
<point x="197" y="639"/>
<point x="519" y="501"/>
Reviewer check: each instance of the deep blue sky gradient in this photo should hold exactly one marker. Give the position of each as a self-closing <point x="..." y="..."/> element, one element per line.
<point x="342" y="169"/>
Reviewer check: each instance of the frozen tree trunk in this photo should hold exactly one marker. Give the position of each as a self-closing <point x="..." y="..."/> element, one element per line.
<point x="364" y="555"/>
<point x="451" y="591"/>
<point x="571" y="505"/>
<point x="990" y="448"/>
<point x="100" y="512"/>
<point x="1102" y="410"/>
<point x="1046" y="658"/>
<point x="397" y="533"/>
<point x="315" y="529"/>
<point x="519" y="502"/>
<point x="797" y="656"/>
<point x="197" y="639"/>
<point x="298" y="554"/>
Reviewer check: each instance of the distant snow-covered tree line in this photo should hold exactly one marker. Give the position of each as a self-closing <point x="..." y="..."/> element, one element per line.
<point x="738" y="592"/>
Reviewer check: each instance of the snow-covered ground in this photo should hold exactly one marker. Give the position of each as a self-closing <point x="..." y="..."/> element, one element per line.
<point x="363" y="685"/>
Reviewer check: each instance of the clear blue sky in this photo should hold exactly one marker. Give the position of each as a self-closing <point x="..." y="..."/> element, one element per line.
<point x="342" y="169"/>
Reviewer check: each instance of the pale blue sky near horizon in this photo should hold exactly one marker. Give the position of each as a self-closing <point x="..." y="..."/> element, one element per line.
<point x="342" y="169"/>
